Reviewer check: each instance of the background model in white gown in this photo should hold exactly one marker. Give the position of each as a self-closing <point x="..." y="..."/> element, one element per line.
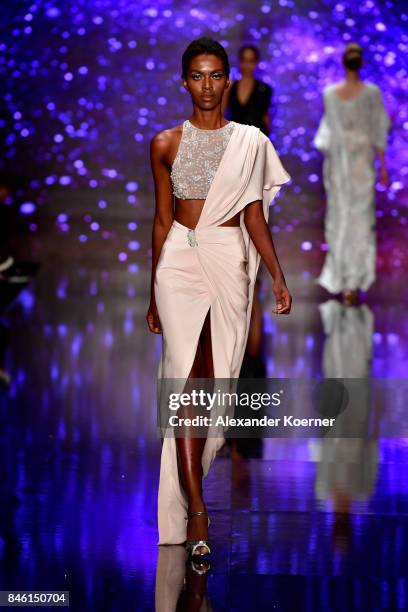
<point x="348" y="134"/>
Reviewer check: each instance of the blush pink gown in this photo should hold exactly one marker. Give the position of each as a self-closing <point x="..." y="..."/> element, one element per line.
<point x="211" y="268"/>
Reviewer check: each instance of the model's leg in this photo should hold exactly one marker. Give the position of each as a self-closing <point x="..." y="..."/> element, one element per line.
<point x="190" y="449"/>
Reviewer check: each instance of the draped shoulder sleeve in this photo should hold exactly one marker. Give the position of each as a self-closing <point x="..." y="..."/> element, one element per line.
<point x="379" y="119"/>
<point x="274" y="174"/>
<point x="268" y="173"/>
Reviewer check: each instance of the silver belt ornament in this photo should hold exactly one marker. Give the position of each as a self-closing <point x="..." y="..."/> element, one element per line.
<point x="191" y="237"/>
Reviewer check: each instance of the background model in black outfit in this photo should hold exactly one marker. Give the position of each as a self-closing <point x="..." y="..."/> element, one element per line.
<point x="248" y="99"/>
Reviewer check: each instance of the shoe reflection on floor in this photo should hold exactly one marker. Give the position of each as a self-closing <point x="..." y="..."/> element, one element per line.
<point x="181" y="583"/>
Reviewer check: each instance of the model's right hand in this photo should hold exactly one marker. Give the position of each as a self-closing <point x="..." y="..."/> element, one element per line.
<point x="153" y="320"/>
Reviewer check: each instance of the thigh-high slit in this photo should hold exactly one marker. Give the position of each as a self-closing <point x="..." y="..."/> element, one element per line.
<point x="202" y="298"/>
<point x="187" y="446"/>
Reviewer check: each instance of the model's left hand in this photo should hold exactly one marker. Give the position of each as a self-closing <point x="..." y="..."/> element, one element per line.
<point x="283" y="297"/>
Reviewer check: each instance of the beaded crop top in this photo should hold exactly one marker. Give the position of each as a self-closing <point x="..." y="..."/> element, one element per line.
<point x="198" y="157"/>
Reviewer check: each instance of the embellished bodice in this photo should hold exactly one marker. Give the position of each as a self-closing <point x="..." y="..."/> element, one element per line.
<point x="198" y="157"/>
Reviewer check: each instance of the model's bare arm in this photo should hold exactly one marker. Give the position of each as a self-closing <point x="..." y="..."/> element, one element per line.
<point x="163" y="215"/>
<point x="260" y="235"/>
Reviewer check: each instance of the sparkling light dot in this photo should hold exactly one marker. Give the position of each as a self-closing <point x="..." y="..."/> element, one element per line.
<point x="131" y="186"/>
<point x="27" y="208"/>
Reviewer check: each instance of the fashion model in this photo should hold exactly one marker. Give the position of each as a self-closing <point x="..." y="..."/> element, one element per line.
<point x="248" y="99"/>
<point x="353" y="128"/>
<point x="214" y="181"/>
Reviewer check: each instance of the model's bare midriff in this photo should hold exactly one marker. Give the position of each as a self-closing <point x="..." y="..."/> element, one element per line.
<point x="188" y="213"/>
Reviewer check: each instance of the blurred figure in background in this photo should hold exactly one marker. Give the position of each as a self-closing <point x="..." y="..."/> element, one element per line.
<point x="353" y="128"/>
<point x="248" y="99"/>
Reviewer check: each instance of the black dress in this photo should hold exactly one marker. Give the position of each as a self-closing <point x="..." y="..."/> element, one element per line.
<point x="252" y="111"/>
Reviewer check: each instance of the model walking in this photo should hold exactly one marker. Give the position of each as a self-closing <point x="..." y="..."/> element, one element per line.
<point x="354" y="126"/>
<point x="206" y="251"/>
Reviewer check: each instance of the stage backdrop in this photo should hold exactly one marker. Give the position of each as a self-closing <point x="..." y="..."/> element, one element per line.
<point x="85" y="85"/>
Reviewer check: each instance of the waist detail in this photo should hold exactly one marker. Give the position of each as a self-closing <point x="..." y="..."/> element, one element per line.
<point x="193" y="236"/>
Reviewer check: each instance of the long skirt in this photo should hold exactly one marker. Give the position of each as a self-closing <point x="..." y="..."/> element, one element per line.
<point x="349" y="180"/>
<point x="198" y="271"/>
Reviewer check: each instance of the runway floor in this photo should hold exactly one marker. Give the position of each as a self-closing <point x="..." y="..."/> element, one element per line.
<point x="294" y="526"/>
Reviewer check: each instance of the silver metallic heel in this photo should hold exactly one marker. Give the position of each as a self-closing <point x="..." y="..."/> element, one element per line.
<point x="193" y="545"/>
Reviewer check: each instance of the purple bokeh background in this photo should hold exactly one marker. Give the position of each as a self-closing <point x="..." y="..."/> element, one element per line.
<point x="87" y="84"/>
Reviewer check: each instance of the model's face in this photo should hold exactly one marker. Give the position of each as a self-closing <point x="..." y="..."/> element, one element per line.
<point x="206" y="81"/>
<point x="247" y="62"/>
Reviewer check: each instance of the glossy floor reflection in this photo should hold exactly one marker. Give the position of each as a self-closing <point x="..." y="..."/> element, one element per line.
<point x="295" y="524"/>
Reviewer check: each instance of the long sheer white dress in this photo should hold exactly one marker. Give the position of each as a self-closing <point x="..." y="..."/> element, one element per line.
<point x="348" y="134"/>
